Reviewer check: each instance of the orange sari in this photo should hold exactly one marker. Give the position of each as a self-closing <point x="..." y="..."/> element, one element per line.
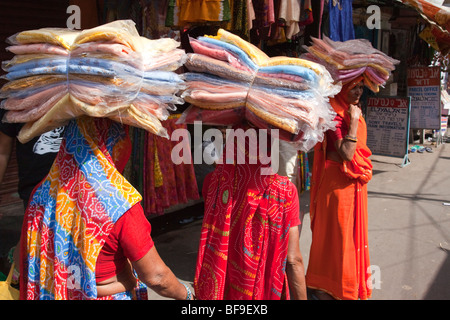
<point x="339" y="257"/>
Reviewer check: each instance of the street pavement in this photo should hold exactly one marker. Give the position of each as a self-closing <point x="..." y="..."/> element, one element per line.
<point x="409" y="229"/>
<point x="409" y="225"/>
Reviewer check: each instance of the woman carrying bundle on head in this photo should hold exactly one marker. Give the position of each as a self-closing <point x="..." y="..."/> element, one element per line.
<point x="249" y="244"/>
<point x="338" y="266"/>
<point x="85" y="235"/>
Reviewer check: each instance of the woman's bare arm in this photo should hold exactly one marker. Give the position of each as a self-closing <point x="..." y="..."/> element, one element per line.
<point x="152" y="271"/>
<point x="294" y="266"/>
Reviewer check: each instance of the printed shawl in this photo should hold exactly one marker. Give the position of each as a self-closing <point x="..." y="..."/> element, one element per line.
<point x="244" y="236"/>
<point x="72" y="211"/>
<point x="339" y="258"/>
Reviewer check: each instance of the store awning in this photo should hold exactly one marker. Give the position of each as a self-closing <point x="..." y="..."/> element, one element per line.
<point x="438" y="16"/>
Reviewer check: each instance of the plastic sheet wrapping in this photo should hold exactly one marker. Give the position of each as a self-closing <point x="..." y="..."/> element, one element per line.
<point x="107" y="71"/>
<point x="347" y="60"/>
<point x="54" y="36"/>
<point x="37" y="48"/>
<point x="230" y="80"/>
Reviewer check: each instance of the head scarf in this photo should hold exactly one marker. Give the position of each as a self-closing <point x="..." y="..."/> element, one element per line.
<point x="72" y="211"/>
<point x="350" y="85"/>
<point x="360" y="167"/>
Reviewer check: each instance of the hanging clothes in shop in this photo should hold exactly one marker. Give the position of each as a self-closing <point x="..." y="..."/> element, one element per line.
<point x="133" y="169"/>
<point x="306" y="15"/>
<point x="303" y="172"/>
<point x="341" y="20"/>
<point x="314" y="29"/>
<point x="290" y="13"/>
<point x="242" y="16"/>
<point x="264" y="18"/>
<point x="277" y="35"/>
<point x="152" y="172"/>
<point x="183" y="12"/>
<point x="250" y="14"/>
<point x="172" y="14"/>
<point x="166" y="184"/>
<point x="291" y="19"/>
<point x="149" y="15"/>
<point x="151" y="12"/>
<point x="113" y="10"/>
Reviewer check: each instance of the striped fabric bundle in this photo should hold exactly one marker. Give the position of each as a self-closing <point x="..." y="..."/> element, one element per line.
<point x="230" y="79"/>
<point x="350" y="59"/>
<point x="107" y="71"/>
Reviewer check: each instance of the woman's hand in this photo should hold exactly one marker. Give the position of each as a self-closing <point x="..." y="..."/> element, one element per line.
<point x="354" y="111"/>
<point x="346" y="147"/>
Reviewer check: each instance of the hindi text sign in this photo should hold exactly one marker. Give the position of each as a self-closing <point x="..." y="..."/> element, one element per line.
<point x="388" y="125"/>
<point x="424" y="90"/>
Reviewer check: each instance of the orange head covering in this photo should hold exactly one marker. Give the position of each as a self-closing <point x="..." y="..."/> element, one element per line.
<point x="342" y="106"/>
<point x="360" y="167"/>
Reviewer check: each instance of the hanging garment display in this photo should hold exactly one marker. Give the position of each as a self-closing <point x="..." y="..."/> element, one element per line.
<point x="306" y="16"/>
<point x="290" y="13"/>
<point x="165" y="183"/>
<point x="341" y="20"/>
<point x="303" y="172"/>
<point x="242" y="17"/>
<point x="152" y="172"/>
<point x="183" y="12"/>
<point x="264" y="18"/>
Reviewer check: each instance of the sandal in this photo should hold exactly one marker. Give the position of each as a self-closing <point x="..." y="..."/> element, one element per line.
<point x="428" y="149"/>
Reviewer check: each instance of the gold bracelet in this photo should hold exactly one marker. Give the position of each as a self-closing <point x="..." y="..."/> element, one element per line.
<point x="352" y="139"/>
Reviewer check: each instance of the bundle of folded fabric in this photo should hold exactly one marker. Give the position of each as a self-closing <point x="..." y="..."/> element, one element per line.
<point x="230" y="79"/>
<point x="108" y="71"/>
<point x="347" y="60"/>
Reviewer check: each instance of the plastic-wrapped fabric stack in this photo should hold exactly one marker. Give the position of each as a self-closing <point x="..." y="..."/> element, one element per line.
<point x="107" y="71"/>
<point x="231" y="79"/>
<point x="347" y="60"/>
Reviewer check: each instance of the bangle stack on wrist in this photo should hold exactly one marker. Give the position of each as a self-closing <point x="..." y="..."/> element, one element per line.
<point x="189" y="292"/>
<point x="350" y="138"/>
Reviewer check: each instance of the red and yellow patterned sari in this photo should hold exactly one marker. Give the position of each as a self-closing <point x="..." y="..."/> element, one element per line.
<point x="244" y="236"/>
